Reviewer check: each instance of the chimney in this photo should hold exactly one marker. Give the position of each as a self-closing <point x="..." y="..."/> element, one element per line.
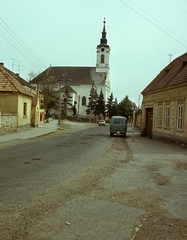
<point x="1" y="64"/>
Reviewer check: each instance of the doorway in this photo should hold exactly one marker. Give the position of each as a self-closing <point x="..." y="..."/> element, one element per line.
<point x="149" y="122"/>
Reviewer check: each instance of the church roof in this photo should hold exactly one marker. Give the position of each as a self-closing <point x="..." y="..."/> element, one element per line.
<point x="69" y="88"/>
<point x="175" y="73"/>
<point x="73" y="75"/>
<point x="9" y="82"/>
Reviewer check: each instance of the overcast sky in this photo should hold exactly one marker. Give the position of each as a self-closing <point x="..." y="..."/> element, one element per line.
<point x="142" y="34"/>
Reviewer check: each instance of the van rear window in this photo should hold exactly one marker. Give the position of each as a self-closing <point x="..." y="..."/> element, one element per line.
<point x="118" y="121"/>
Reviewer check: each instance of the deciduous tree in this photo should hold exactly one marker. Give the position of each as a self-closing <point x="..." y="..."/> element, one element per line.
<point x="124" y="108"/>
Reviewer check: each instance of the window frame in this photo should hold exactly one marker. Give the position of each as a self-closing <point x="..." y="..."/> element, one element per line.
<point x="180" y="117"/>
<point x="83" y="101"/>
<point x="102" y="58"/>
<point x="25" y="109"/>
<point x="167" y="116"/>
<point x="159" y="116"/>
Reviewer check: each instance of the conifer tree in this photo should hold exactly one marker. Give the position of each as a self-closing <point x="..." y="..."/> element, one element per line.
<point x="66" y="102"/>
<point x="110" y="106"/>
<point x="114" y="108"/>
<point x="91" y="108"/>
<point x="101" y="105"/>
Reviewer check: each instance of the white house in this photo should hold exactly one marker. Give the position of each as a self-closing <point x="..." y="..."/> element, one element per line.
<point x="81" y="79"/>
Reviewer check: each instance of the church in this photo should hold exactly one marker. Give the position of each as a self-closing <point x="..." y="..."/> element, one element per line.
<point x="79" y="80"/>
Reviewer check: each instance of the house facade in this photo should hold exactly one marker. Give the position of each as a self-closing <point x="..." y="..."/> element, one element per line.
<point x="18" y="103"/>
<point x="80" y="79"/>
<point x="164" y="105"/>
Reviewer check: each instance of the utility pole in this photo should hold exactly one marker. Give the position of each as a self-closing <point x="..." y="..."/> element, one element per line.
<point x="139" y="101"/>
<point x="59" y="105"/>
<point x="134" y="108"/>
<point x="170" y="55"/>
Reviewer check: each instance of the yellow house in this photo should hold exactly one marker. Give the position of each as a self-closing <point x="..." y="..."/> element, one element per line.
<point x="38" y="114"/>
<point x="164" y="105"/>
<point x="14" y="98"/>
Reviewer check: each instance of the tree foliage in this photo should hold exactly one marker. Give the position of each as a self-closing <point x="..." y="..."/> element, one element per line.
<point x="111" y="106"/>
<point x="93" y="98"/>
<point x="50" y="96"/>
<point x="100" y="108"/>
<point x="66" y="102"/>
<point x="124" y="108"/>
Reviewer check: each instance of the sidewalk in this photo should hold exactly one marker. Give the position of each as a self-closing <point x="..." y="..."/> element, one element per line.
<point x="47" y="128"/>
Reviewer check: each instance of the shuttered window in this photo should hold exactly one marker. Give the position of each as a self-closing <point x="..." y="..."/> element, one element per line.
<point x="180" y="116"/>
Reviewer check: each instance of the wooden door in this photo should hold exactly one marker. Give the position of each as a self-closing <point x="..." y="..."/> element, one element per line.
<point x="149" y="122"/>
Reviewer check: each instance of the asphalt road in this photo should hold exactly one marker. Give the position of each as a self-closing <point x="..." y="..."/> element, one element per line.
<point x="32" y="166"/>
<point x="86" y="185"/>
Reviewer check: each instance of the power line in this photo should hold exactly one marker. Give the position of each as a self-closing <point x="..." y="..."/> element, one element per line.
<point x="141" y="15"/>
<point x="14" y="40"/>
<point x="4" y="36"/>
<point x="158" y="21"/>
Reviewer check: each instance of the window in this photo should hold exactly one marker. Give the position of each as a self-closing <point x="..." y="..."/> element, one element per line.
<point x="83" y="100"/>
<point x="167" y="116"/>
<point x="102" y="58"/>
<point x="180" y="114"/>
<point x="24" y="109"/>
<point x="159" y="122"/>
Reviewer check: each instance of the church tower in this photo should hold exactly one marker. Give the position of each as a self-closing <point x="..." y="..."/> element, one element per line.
<point x="103" y="53"/>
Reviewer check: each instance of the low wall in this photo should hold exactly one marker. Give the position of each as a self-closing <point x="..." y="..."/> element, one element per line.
<point x="170" y="138"/>
<point x="8" y="123"/>
<point x="81" y="118"/>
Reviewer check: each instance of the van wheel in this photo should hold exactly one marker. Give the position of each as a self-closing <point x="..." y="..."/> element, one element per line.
<point x="111" y="134"/>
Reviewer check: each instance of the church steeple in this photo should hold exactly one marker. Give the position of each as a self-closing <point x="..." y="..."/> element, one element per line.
<point x="103" y="40"/>
<point x="103" y="53"/>
<point x="103" y="63"/>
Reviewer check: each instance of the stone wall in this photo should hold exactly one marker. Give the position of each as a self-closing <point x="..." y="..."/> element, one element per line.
<point x="8" y="123"/>
<point x="181" y="141"/>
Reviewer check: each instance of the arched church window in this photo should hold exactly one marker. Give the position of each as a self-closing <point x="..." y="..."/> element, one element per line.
<point x="102" y="58"/>
<point x="83" y="101"/>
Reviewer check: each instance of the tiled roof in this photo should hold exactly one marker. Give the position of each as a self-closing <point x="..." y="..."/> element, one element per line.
<point x="78" y="75"/>
<point x="175" y="73"/>
<point x="17" y="76"/>
<point x="9" y="83"/>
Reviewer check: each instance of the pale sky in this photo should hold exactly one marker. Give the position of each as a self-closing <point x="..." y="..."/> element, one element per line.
<point x="142" y="34"/>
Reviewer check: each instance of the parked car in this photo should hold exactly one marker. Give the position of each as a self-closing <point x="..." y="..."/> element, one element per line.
<point x="101" y="123"/>
<point x="118" y="125"/>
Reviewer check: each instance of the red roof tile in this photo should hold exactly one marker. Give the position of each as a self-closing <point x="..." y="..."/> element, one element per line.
<point x="174" y="73"/>
<point x="8" y="83"/>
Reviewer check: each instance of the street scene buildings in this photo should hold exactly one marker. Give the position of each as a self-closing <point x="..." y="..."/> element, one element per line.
<point x="162" y="114"/>
<point x="164" y="106"/>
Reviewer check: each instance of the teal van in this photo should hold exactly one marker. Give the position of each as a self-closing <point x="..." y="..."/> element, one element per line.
<point x="118" y="125"/>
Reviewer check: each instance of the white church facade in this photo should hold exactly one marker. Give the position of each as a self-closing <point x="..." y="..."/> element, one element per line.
<point x="79" y="80"/>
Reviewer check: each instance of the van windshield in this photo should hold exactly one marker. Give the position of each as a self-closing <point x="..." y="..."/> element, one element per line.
<point x="118" y="121"/>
